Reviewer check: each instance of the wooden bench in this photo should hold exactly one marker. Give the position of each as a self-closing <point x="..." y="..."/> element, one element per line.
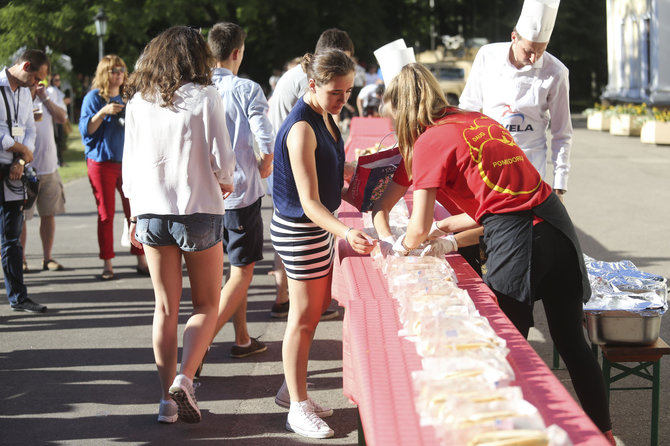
<point x="645" y="356"/>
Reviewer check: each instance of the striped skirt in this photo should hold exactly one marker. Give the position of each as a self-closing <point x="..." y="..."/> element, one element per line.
<point x="306" y="249"/>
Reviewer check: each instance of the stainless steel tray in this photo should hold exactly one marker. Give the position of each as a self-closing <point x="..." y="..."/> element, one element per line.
<point x="622" y="327"/>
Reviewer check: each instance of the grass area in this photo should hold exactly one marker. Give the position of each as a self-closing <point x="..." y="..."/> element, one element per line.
<point x="73" y="157"/>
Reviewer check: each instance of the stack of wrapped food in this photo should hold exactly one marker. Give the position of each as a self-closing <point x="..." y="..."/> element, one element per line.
<point x="626" y="304"/>
<point x="464" y="387"/>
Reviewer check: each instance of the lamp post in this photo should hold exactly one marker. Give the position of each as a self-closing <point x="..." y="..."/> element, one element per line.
<point x="431" y="4"/>
<point x="100" y="30"/>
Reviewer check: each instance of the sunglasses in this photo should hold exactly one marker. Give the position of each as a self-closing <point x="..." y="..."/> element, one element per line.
<point x="117" y="70"/>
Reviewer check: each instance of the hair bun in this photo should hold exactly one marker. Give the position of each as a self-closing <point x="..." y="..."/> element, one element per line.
<point x="306" y="61"/>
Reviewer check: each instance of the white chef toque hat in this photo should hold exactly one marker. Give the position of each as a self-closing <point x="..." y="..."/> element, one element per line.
<point x="392" y="57"/>
<point x="537" y="20"/>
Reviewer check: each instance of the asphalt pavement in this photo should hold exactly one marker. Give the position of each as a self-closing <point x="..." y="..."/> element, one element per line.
<point x="83" y="372"/>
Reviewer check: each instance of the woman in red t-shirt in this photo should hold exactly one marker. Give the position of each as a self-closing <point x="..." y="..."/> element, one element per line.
<point x="468" y="160"/>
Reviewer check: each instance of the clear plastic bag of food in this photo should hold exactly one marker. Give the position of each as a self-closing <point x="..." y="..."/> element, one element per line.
<point x="461" y="426"/>
<point x="440" y="299"/>
<point x="434" y="346"/>
<point x="445" y="335"/>
<point x="393" y="265"/>
<point x="491" y="366"/>
<point x="513" y="437"/>
<point x="414" y="317"/>
<point x="434" y="398"/>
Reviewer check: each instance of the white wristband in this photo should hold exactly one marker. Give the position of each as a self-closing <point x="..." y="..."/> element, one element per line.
<point x="435" y="231"/>
<point x="346" y="233"/>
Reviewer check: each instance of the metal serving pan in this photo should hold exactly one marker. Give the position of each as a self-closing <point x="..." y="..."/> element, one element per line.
<point x="622" y="327"/>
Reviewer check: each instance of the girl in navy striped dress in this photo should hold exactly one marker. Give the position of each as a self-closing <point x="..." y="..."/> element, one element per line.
<point x="308" y="178"/>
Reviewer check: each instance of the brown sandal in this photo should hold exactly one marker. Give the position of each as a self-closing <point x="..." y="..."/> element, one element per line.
<point x="51" y="265"/>
<point x="107" y="275"/>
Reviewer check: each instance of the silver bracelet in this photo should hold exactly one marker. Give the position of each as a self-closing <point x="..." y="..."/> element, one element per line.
<point x="346" y="233"/>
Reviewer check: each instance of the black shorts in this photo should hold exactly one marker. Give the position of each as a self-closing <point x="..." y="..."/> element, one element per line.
<point x="243" y="234"/>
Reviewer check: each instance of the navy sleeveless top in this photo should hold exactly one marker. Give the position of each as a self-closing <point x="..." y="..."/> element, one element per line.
<point x="329" y="164"/>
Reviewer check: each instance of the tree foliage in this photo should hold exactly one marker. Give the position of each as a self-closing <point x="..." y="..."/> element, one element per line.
<point x="279" y="30"/>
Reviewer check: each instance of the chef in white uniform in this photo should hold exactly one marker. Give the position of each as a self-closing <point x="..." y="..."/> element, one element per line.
<point x="526" y="90"/>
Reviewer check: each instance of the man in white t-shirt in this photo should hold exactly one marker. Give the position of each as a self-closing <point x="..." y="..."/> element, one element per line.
<point x="290" y="87"/>
<point x="50" y="109"/>
<point x="60" y="134"/>
<point x="369" y="99"/>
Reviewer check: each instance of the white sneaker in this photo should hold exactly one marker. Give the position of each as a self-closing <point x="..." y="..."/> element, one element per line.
<point x="167" y="412"/>
<point x="303" y="421"/>
<point x="284" y="400"/>
<point x="182" y="393"/>
<point x="320" y="411"/>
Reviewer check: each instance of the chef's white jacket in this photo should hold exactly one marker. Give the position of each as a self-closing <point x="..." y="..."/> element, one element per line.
<point x="526" y="101"/>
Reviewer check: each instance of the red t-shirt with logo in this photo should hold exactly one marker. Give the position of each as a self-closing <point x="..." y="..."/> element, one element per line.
<point x="400" y="177"/>
<point x="474" y="161"/>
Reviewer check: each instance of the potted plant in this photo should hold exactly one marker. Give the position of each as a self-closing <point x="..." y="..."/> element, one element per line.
<point x="627" y="119"/>
<point x="597" y="118"/>
<point x="656" y="130"/>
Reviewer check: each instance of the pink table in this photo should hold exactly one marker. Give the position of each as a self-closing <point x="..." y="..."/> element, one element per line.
<point x="377" y="363"/>
<point x="366" y="132"/>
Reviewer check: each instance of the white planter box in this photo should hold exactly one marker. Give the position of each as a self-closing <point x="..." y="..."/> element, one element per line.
<point x="624" y="125"/>
<point x="598" y="121"/>
<point x="655" y="132"/>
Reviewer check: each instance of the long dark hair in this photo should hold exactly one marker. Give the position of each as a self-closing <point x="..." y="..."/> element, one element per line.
<point x="175" y="57"/>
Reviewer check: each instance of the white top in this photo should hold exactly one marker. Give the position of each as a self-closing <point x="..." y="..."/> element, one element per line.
<point x="20" y="100"/>
<point x="45" y="154"/>
<point x="174" y="158"/>
<point x="368" y="94"/>
<point x="246" y="119"/>
<point x="52" y="89"/>
<point x="527" y="102"/>
<point x="291" y="86"/>
<point x="359" y="76"/>
<point x="23" y="124"/>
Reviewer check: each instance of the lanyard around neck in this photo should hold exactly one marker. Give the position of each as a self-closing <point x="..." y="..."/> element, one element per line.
<point x="9" y="113"/>
<point x="15" y="101"/>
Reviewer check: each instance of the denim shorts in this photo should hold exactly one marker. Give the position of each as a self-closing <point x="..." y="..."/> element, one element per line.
<point x="195" y="232"/>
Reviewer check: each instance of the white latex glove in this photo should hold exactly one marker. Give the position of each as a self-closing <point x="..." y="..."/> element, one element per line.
<point x="398" y="248"/>
<point x="435" y="231"/>
<point x="440" y="246"/>
<point x="386" y="246"/>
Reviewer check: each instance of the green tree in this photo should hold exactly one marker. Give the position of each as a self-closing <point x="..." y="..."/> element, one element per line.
<point x="279" y="30"/>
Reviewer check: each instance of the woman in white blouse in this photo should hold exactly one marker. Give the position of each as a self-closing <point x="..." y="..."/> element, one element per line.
<point x="177" y="166"/>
